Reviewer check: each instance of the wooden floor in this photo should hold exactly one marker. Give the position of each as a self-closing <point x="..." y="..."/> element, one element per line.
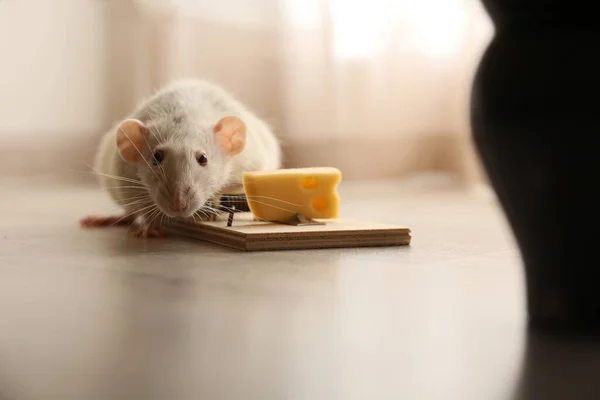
<point x="97" y="314"/>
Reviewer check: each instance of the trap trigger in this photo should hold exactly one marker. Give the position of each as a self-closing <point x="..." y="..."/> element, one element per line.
<point x="300" y="220"/>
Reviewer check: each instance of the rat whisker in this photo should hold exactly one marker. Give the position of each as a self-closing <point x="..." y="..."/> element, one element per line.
<point x="136" y="202"/>
<point x="137" y="195"/>
<point x="150" y="217"/>
<point x="141" y="218"/>
<point x="165" y="220"/>
<point x="257" y="180"/>
<point x="120" y="178"/>
<point x="139" y="152"/>
<point x="135" y="198"/>
<point x="150" y="205"/>
<point x="156" y="215"/>
<point x="199" y="213"/>
<point x="146" y="215"/>
<point x="217" y="213"/>
<point x="133" y="191"/>
<point x="140" y="214"/>
<point x="138" y="187"/>
<point x="195" y="217"/>
<point x="128" y="215"/>
<point x="128" y="193"/>
<point x="141" y="204"/>
<point x="271" y="205"/>
<point x="208" y="207"/>
<point x="134" y="223"/>
<point x="160" y="137"/>
<point x="229" y="209"/>
<point x="273" y="198"/>
<point x="202" y="215"/>
<point x="211" y="210"/>
<point x="209" y="213"/>
<point x="160" y="167"/>
<point x="128" y="186"/>
<point x="116" y="177"/>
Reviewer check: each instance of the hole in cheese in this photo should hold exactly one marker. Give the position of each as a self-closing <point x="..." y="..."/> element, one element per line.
<point x="309" y="182"/>
<point x="320" y="203"/>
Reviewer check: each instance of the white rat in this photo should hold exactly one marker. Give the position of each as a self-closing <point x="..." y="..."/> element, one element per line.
<point x="180" y="148"/>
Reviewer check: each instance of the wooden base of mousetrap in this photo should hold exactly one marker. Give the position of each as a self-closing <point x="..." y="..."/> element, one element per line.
<point x="247" y="234"/>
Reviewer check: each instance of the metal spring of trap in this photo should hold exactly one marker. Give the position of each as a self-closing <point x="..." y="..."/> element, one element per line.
<point x="235" y="203"/>
<point x="231" y="204"/>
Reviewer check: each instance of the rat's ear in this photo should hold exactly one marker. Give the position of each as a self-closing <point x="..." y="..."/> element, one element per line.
<point x="131" y="137"/>
<point x="231" y="134"/>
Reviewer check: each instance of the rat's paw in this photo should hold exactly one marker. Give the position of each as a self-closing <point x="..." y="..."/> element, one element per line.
<point x="148" y="233"/>
<point x="96" y="221"/>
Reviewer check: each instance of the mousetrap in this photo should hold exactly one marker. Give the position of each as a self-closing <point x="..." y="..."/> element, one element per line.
<point x="248" y="234"/>
<point x="243" y="226"/>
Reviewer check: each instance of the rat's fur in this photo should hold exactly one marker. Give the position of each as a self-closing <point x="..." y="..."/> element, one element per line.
<point x="181" y="118"/>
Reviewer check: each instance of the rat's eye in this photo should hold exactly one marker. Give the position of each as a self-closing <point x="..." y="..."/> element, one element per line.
<point x="202" y="160"/>
<point x="157" y="157"/>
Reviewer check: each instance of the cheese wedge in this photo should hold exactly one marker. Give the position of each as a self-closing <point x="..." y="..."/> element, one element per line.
<point x="279" y="195"/>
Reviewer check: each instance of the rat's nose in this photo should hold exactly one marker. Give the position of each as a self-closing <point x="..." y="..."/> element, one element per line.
<point x="179" y="202"/>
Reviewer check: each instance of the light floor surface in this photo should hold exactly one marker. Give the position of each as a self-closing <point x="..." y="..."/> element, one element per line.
<point x="98" y="314"/>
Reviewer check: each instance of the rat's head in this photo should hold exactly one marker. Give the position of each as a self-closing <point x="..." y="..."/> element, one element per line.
<point x="181" y="169"/>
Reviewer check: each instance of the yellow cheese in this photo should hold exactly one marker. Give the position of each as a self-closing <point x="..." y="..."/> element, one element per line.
<point x="279" y="195"/>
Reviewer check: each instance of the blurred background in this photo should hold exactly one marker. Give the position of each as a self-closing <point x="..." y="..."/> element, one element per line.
<point x="377" y="88"/>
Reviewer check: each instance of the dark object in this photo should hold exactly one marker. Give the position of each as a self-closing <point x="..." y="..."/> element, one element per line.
<point x="230" y="203"/>
<point x="238" y="202"/>
<point x="230" y="218"/>
<point x="202" y="160"/>
<point x="535" y="122"/>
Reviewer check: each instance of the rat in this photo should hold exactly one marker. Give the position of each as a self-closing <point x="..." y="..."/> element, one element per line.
<point x="179" y="149"/>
